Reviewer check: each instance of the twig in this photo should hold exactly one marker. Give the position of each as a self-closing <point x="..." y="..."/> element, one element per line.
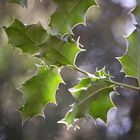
<point x="110" y="81"/>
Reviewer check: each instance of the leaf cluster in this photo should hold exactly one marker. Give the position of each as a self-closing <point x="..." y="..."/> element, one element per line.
<point x="77" y="78"/>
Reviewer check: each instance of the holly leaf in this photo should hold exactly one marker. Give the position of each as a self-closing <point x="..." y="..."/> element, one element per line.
<point x="40" y="89"/>
<point x="59" y="51"/>
<point x="35" y="40"/>
<point x="26" y="37"/>
<point x="72" y="12"/>
<point x="131" y="61"/>
<point x="21" y="2"/>
<point x="93" y="100"/>
<point x="83" y="85"/>
<point x="47" y="126"/>
<point x="100" y="107"/>
<point x="15" y="69"/>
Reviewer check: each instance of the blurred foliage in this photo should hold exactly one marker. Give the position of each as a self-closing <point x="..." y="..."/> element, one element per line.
<point x="69" y="70"/>
<point x="104" y="30"/>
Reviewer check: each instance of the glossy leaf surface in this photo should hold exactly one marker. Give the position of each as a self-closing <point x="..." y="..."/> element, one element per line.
<point x="131" y="61"/>
<point x="35" y="40"/>
<point x="92" y="98"/>
<point x="68" y="14"/>
<point x="40" y="89"/>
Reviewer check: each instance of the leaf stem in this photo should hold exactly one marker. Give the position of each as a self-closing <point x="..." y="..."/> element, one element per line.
<point x="124" y="85"/>
<point x="79" y="70"/>
<point x="110" y="81"/>
<point x="83" y="72"/>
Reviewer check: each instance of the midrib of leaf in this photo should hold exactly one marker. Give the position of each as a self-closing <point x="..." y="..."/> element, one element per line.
<point x="94" y="94"/>
<point x="59" y="52"/>
<point x="36" y="44"/>
<point x="25" y="35"/>
<point x="67" y="15"/>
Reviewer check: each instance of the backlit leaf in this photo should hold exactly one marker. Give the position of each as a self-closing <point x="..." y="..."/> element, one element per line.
<point x="35" y="40"/>
<point x="59" y="52"/>
<point x="131" y="61"/>
<point x="67" y="14"/>
<point x="40" y="89"/>
<point x="26" y="37"/>
<point x="93" y="100"/>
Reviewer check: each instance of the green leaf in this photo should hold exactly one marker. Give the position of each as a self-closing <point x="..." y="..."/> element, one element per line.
<point x="131" y="61"/>
<point x="59" y="52"/>
<point x="100" y="107"/>
<point x="83" y="85"/>
<point x="67" y="14"/>
<point x="21" y="2"/>
<point x="26" y="37"/>
<point x="94" y="100"/>
<point x="40" y="90"/>
<point x="35" y="40"/>
<point x="15" y="69"/>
